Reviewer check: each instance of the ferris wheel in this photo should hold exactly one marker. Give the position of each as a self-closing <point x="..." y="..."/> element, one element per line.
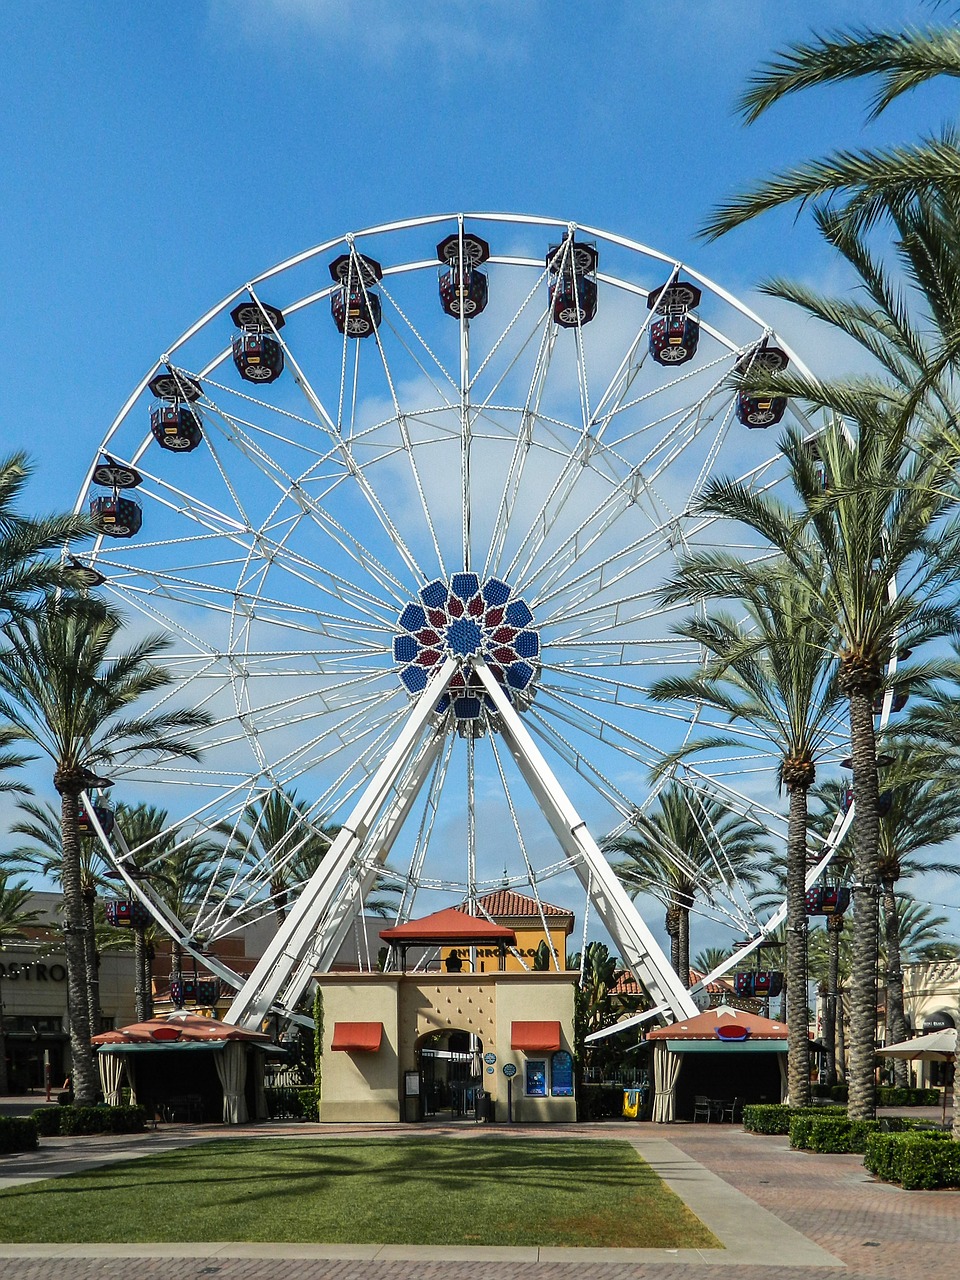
<point x="404" y="502"/>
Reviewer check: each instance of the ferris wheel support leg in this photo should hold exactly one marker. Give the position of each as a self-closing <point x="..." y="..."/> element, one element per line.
<point x="294" y="940"/>
<point x="620" y="917"/>
<point x="332" y="933"/>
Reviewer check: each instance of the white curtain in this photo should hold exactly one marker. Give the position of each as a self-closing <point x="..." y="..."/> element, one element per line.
<point x="784" y="1087"/>
<point x="259" y="1062"/>
<point x="111" y="1073"/>
<point x="666" y="1068"/>
<point x="232" y="1070"/>
<point x="128" y="1066"/>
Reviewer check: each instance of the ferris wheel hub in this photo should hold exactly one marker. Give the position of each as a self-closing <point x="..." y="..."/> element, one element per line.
<point x="466" y="619"/>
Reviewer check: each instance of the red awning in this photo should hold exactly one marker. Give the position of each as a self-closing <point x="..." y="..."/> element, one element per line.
<point x="536" y="1037"/>
<point x="357" y="1036"/>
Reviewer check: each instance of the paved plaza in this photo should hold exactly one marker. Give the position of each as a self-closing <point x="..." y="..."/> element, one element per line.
<point x="779" y="1213"/>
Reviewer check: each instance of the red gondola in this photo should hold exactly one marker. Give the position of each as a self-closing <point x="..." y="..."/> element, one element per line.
<point x="116" y="517"/>
<point x="674" y="336"/>
<point x="573" y="285"/>
<point x="175" y="427"/>
<point x="104" y="816"/>
<point x="760" y="411"/>
<point x="127" y="915"/>
<point x="463" y="288"/>
<point x="355" y="306"/>
<point x="257" y="354"/>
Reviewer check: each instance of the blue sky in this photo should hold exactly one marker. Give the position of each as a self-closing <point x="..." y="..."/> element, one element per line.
<point x="158" y="156"/>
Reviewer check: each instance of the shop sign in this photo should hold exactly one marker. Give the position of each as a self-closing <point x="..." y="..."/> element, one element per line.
<point x="32" y="971"/>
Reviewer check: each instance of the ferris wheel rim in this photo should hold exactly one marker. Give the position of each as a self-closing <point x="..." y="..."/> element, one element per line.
<point x="403" y="269"/>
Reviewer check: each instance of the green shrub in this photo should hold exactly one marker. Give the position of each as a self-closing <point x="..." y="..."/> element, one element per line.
<point x="891" y="1096"/>
<point x="775" y="1117"/>
<point x="835" y="1134"/>
<point x="838" y="1093"/>
<point x="917" y="1160"/>
<point x="17" y="1133"/>
<point x="47" y="1120"/>
<point x="83" y="1120"/>
<point x="309" y="1103"/>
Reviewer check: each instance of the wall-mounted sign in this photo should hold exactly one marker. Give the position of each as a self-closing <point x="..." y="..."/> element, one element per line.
<point x="509" y="1069"/>
<point x="561" y="1075"/>
<point x="411" y="1084"/>
<point x="489" y="1057"/>
<point x="32" y="971"/>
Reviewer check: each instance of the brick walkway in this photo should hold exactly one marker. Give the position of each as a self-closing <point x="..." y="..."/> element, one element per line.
<point x="877" y="1232"/>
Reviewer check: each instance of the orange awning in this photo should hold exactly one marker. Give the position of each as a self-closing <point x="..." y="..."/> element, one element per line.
<point x="354" y="1037"/>
<point x="535" y="1037"/>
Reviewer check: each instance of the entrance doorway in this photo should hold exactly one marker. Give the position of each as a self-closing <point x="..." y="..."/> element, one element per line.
<point x="451" y="1076"/>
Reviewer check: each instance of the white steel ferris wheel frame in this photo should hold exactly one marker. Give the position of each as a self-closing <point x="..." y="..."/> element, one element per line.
<point x="395" y="775"/>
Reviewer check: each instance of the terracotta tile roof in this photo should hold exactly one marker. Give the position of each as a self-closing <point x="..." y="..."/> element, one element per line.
<point x="449" y="925"/>
<point x="627" y="985"/>
<point x="504" y="902"/>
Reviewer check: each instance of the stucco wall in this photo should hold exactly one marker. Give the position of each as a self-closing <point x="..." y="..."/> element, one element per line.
<point x="360" y="1085"/>
<point x="413" y="1005"/>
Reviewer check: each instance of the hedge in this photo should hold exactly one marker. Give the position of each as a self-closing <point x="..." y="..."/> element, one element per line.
<point x="47" y="1120"/>
<point x="889" y="1095"/>
<point x="17" y="1133"/>
<point x="918" y="1161"/>
<point x="835" y="1134"/>
<point x="84" y="1120"/>
<point x="774" y="1117"/>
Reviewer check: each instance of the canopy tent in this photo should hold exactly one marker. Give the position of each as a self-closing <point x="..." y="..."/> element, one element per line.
<point x="195" y="1056"/>
<point x="449" y="927"/>
<point x="937" y="1046"/>
<point x="728" y="1035"/>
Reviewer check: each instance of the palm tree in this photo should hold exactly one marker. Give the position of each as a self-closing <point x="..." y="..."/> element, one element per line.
<point x="16" y="914"/>
<point x="863" y="184"/>
<point x="44" y="857"/>
<point x="829" y="958"/>
<point x="26" y="569"/>
<point x="682" y="850"/>
<point x="883" y="519"/>
<point x="775" y="671"/>
<point x="65" y="688"/>
<point x="280" y="836"/>
<point x="179" y="868"/>
<point x="923" y="814"/>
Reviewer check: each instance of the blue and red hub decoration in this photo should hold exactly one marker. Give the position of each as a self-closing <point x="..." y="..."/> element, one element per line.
<point x="467" y="619"/>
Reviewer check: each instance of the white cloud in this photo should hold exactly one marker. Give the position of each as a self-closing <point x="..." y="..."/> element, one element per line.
<point x="453" y="34"/>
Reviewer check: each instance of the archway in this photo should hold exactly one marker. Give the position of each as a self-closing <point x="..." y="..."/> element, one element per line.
<point x="450" y="1063"/>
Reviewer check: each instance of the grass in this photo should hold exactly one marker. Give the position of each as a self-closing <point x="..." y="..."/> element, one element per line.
<point x="339" y="1191"/>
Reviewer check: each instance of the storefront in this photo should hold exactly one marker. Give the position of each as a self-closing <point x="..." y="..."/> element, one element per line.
<point x="432" y="1044"/>
<point x="33" y="1008"/>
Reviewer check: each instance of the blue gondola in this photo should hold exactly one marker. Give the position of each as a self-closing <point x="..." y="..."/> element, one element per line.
<point x="116" y="517"/>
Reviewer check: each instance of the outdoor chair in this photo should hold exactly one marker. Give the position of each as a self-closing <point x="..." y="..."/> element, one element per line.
<point x="702" y="1108"/>
<point x="731" y="1110"/>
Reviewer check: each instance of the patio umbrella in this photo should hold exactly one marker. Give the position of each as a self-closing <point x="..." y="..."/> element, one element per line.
<point x="938" y="1046"/>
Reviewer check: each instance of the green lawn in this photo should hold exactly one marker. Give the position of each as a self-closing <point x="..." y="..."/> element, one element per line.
<point x="405" y="1191"/>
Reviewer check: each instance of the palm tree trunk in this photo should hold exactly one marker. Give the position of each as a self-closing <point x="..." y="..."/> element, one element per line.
<point x="148" y="958"/>
<point x="176" y="967"/>
<point x="831" y="1024"/>
<point x="673" y="933"/>
<point x="798" y="1041"/>
<point x="82" y="1069"/>
<point x="140" y="970"/>
<point x="862" y="1103"/>
<point x="92" y="959"/>
<point x="896" y="1015"/>
<point x="683" y="945"/>
<point x="841" y="1039"/>
<point x="4" y="1075"/>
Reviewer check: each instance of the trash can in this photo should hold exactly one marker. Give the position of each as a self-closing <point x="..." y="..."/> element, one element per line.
<point x="631" y="1104"/>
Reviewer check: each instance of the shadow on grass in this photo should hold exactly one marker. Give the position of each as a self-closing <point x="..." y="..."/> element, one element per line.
<point x="339" y="1190"/>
